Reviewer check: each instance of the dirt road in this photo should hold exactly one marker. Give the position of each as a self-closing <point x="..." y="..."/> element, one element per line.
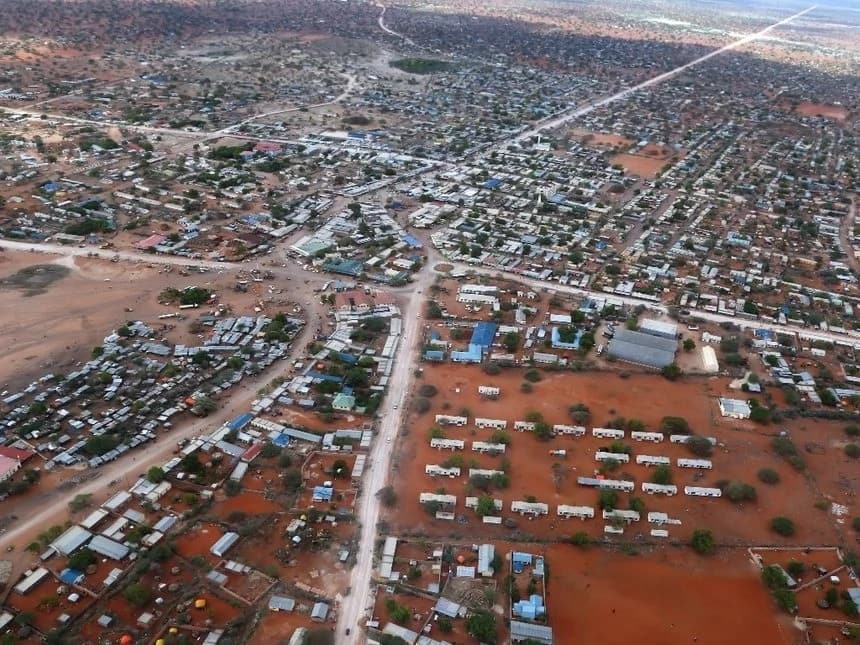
<point x="392" y="413"/>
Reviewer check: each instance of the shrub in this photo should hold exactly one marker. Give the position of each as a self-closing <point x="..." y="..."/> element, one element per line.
<point x="795" y="568"/>
<point x="387" y="496"/>
<point x="768" y="476"/>
<point x="702" y="542"/>
<point x="607" y="499"/>
<point x="422" y="405"/>
<point x="532" y="376"/>
<point x="852" y="430"/>
<point x="783" y="526"/>
<point x="428" y="390"/>
<point x="232" y="488"/>
<point x="738" y="491"/>
<point x="852" y="451"/>
<point x="674" y="425"/>
<point x="662" y="475"/>
<point x="580" y="539"/>
<point x="700" y="446"/>
<point x="526" y="387"/>
<point x="855" y="523"/>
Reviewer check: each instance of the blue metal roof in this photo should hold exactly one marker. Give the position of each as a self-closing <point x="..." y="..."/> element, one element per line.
<point x="492" y="183"/>
<point x="319" y="376"/>
<point x="434" y="355"/>
<point x="241" y="421"/>
<point x="412" y="241"/>
<point x="483" y="334"/>
<point x="71" y="576"/>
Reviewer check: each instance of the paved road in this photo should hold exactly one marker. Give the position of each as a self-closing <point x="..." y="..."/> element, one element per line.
<point x="567" y="116"/>
<point x="539" y="285"/>
<point x="392" y="413"/>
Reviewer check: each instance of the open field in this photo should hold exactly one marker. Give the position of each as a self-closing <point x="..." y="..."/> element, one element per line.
<point x="664" y="596"/>
<point x="742" y="450"/>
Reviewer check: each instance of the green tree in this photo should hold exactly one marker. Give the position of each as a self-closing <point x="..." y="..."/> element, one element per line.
<point x="700" y="446"/>
<point x="689" y="345"/>
<point x="155" y="474"/>
<point x="137" y="594"/>
<point x="768" y="476"/>
<point x="607" y="499"/>
<point x="482" y="625"/>
<point x="702" y="542"/>
<point x="674" y="425"/>
<point x="486" y="506"/>
<point x="783" y="526"/>
<point x="662" y="475"/>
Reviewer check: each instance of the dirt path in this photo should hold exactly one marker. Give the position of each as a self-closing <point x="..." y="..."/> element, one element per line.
<point x="846" y="233"/>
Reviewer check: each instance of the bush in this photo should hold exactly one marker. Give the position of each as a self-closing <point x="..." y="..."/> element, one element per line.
<point x="482" y="626"/>
<point x="387" y="496"/>
<point x="674" y="425"/>
<point x="662" y="475"/>
<point x="137" y="594"/>
<point x="700" y="446"/>
<point x="852" y="451"/>
<point x="783" y="526"/>
<point x="422" y="405"/>
<point x="428" y="390"/>
<point x="532" y="376"/>
<point x="738" y="491"/>
<point x="852" y="430"/>
<point x="607" y="500"/>
<point x="795" y="568"/>
<point x="526" y="387"/>
<point x="702" y="542"/>
<point x="855" y="523"/>
<point x="232" y="488"/>
<point x="580" y="539"/>
<point x="768" y="476"/>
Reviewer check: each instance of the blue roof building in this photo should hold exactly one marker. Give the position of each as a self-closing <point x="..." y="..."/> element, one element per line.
<point x="558" y="343"/>
<point x="241" y="421"/>
<point x="483" y="334"/>
<point x="323" y="493"/>
<point x="472" y="355"/>
<point x="412" y="241"/>
<point x="71" y="576"/>
<point x="492" y="183"/>
<point x="319" y="376"/>
<point x="434" y="355"/>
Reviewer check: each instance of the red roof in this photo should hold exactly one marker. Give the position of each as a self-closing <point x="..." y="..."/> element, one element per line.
<point x="15" y="453"/>
<point x="252" y="452"/>
<point x="149" y="242"/>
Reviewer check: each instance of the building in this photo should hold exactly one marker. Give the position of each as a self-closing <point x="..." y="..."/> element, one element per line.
<point x="70" y="541"/>
<point x="281" y="603"/>
<point x="224" y="543"/>
<point x="735" y="408"/>
<point x="521" y="631"/>
<point x="658" y="328"/>
<point x="486" y="553"/>
<point x="642" y="349"/>
<point x="8" y="467"/>
<point x="320" y="612"/>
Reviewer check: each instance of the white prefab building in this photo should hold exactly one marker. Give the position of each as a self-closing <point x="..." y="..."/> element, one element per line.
<point x="448" y="500"/>
<point x="495" y="424"/>
<point x="448" y="420"/>
<point x="621" y="515"/>
<point x="663" y="489"/>
<point x="487" y="390"/>
<point x="704" y="464"/>
<point x="558" y="453"/>
<point x="582" y="512"/>
<point x="620" y="457"/>
<point x="530" y="508"/>
<point x="491" y="519"/>
<point x="476" y="298"/>
<point x="482" y="446"/>
<point x="435" y="470"/>
<point x="483" y="472"/>
<point x="478" y="288"/>
<point x="653" y="460"/>
<point x="607" y="433"/>
<point x="613" y="530"/>
<point x="472" y="502"/>
<point x="617" y="484"/>
<point x="684" y="438"/>
<point x="524" y="426"/>
<point x="444" y="515"/>
<point x="735" y="408"/>
<point x="656" y="437"/>
<point x="699" y="491"/>
<point x="660" y="519"/>
<point x="659" y="533"/>
<point x="447" y="444"/>
<point x="576" y="431"/>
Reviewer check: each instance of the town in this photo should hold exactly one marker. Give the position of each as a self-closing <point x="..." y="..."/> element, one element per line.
<point x="335" y="322"/>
